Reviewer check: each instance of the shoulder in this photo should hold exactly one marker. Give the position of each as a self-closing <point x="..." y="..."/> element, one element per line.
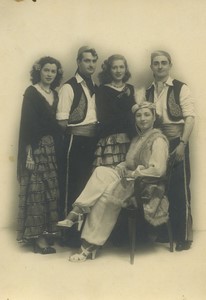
<point x="72" y="80"/>
<point x="130" y="86"/>
<point x="178" y="82"/>
<point x="160" y="146"/>
<point x="178" y="85"/>
<point x="158" y="135"/>
<point x="184" y="90"/>
<point x="31" y="94"/>
<point x="66" y="88"/>
<point x="160" y="141"/>
<point x="30" y="90"/>
<point x="102" y="89"/>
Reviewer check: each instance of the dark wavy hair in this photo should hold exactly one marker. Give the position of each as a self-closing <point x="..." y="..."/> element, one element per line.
<point x="35" y="72"/>
<point x="105" y="75"/>
<point x="86" y="50"/>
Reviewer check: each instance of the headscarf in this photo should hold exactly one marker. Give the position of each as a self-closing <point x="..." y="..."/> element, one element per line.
<point x="144" y="104"/>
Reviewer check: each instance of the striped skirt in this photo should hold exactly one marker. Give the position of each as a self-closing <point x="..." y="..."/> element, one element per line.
<point x="111" y="150"/>
<point x="39" y="194"/>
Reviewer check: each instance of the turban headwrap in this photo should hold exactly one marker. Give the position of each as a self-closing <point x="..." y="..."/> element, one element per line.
<point x="144" y="104"/>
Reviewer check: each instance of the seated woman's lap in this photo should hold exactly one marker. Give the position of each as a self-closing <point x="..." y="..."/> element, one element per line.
<point x="99" y="181"/>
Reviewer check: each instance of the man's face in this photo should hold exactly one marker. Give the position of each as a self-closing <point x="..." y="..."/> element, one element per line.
<point x="87" y="65"/>
<point x="161" y="67"/>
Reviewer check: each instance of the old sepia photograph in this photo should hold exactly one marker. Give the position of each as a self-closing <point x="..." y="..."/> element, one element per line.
<point x="102" y="150"/>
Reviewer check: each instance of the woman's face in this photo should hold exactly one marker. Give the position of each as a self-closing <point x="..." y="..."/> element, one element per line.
<point x="118" y="70"/>
<point x="144" y="119"/>
<point x="48" y="74"/>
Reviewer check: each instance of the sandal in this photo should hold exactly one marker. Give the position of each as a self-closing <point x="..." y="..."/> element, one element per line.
<point x="84" y="254"/>
<point x="77" y="218"/>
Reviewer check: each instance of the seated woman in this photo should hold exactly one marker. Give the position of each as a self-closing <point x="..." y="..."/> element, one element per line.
<point x="109" y="188"/>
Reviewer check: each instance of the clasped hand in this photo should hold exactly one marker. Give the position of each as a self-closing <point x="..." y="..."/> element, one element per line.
<point x="124" y="172"/>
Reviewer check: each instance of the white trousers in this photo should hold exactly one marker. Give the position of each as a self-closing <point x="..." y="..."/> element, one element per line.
<point x="103" y="203"/>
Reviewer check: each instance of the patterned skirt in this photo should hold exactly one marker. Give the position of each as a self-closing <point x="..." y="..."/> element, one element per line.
<point x="39" y="193"/>
<point x="111" y="150"/>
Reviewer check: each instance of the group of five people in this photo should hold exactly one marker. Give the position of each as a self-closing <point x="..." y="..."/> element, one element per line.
<point x="82" y="151"/>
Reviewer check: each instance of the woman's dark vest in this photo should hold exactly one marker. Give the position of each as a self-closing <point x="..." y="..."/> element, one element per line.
<point x="174" y="110"/>
<point x="80" y="103"/>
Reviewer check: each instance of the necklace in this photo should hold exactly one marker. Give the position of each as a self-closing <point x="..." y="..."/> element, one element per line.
<point x="46" y="91"/>
<point x="117" y="86"/>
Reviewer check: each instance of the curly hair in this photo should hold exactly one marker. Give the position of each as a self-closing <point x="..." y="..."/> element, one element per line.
<point x="105" y="75"/>
<point x="36" y="69"/>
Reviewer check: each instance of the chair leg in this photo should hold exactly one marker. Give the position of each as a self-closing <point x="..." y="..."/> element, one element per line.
<point x="132" y="235"/>
<point x="170" y="235"/>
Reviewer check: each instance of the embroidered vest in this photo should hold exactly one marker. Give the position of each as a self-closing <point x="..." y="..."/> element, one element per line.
<point x="174" y="110"/>
<point x="80" y="103"/>
<point x="147" y="145"/>
<point x="140" y="149"/>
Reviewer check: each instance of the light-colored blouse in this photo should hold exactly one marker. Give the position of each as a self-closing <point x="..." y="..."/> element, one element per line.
<point x="148" y="154"/>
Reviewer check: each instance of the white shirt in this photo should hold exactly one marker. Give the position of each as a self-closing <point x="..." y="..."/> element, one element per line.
<point x="186" y="102"/>
<point x="66" y="96"/>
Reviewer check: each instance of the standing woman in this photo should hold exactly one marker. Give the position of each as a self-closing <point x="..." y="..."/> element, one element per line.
<point x="37" y="164"/>
<point x="114" y="101"/>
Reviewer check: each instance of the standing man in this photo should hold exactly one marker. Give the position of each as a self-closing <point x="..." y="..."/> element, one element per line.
<point x="175" y="116"/>
<point x="76" y="113"/>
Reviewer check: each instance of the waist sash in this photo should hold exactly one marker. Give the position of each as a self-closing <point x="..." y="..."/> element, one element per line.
<point x="89" y="130"/>
<point x="172" y="130"/>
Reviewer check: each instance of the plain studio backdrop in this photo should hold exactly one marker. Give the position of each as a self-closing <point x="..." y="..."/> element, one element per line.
<point x="31" y="29"/>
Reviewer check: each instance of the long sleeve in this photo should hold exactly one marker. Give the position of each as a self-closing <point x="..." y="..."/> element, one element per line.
<point x="187" y="102"/>
<point x="66" y="96"/>
<point x="158" y="160"/>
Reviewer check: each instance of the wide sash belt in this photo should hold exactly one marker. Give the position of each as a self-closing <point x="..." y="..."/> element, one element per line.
<point x="89" y="130"/>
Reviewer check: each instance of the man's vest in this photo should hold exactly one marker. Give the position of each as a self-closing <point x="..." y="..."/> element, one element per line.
<point x="80" y="103"/>
<point x="174" y="110"/>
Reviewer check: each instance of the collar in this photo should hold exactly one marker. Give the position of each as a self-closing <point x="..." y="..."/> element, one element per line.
<point x="80" y="79"/>
<point x="169" y="82"/>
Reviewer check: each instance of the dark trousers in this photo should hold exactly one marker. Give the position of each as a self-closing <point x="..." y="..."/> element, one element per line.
<point x="75" y="169"/>
<point x="180" y="197"/>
